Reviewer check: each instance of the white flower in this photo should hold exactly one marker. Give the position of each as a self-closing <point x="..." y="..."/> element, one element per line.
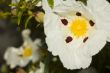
<point x="76" y="32"/>
<point x="24" y="54"/>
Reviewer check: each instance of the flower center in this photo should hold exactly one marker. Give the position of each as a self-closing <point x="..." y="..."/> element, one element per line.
<point x="78" y="26"/>
<point x="27" y="52"/>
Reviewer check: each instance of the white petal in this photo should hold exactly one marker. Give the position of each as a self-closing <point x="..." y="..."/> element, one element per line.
<point x="66" y="7"/>
<point x="108" y="39"/>
<point x="69" y="10"/>
<point x="37" y="42"/>
<point x="35" y="48"/>
<point x="70" y="57"/>
<point x="26" y="33"/>
<point x="56" y="43"/>
<point x="101" y="11"/>
<point x="24" y="61"/>
<point x="74" y="59"/>
<point x="46" y="6"/>
<point x="95" y="43"/>
<point x="53" y="31"/>
<point x="57" y="2"/>
<point x="81" y="57"/>
<point x="69" y="60"/>
<point x="35" y="55"/>
<point x="12" y="57"/>
<point x="64" y="2"/>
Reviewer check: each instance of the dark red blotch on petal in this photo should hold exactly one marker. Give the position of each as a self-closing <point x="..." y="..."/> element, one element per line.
<point x="85" y="39"/>
<point x="69" y="39"/>
<point x="78" y="14"/>
<point x="91" y="23"/>
<point x="64" y="21"/>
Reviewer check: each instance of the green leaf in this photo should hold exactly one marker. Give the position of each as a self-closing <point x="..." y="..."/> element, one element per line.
<point x="13" y="4"/>
<point x="19" y="17"/>
<point x="27" y="21"/>
<point x="51" y="3"/>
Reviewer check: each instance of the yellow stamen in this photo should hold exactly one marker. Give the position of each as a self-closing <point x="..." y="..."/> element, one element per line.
<point x="27" y="52"/>
<point x="78" y="26"/>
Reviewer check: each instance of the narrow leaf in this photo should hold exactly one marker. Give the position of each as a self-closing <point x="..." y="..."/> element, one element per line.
<point x="51" y="3"/>
<point x="27" y="21"/>
<point x="19" y="17"/>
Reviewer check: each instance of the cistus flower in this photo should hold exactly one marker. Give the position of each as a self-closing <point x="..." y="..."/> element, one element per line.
<point x="24" y="54"/>
<point x="75" y="32"/>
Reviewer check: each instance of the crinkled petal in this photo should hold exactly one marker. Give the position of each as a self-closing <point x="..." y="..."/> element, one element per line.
<point x="66" y="52"/>
<point x="81" y="57"/>
<point x="72" y="56"/>
<point x="66" y="7"/>
<point x="53" y="32"/>
<point x="47" y="8"/>
<point x="95" y="43"/>
<point x="101" y="11"/>
<point x="69" y="10"/>
<point x="74" y="61"/>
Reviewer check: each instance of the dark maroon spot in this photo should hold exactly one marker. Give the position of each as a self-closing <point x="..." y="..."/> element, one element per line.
<point x="64" y="21"/>
<point x="78" y="14"/>
<point x="85" y="39"/>
<point x="91" y="23"/>
<point x="69" y="39"/>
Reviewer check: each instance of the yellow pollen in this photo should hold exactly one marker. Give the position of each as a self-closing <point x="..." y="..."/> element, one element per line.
<point x="78" y="26"/>
<point x="27" y="52"/>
